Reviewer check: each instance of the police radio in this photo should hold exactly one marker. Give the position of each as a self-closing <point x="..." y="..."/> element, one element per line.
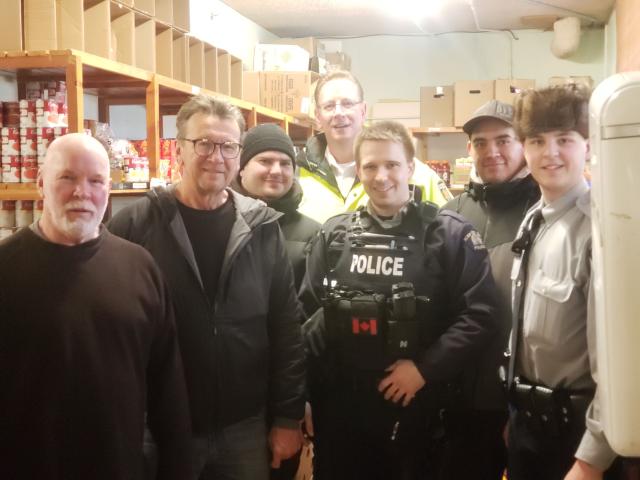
<point x="403" y="331"/>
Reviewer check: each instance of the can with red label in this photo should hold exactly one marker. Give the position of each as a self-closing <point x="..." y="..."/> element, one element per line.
<point x="45" y="137"/>
<point x="11" y="169"/>
<point x="10" y="141"/>
<point x="24" y="213"/>
<point x="28" y="113"/>
<point x="46" y="113"/>
<point x="28" y="141"/>
<point x="29" y="171"/>
<point x="7" y="213"/>
<point x="60" y="131"/>
<point x="11" y="113"/>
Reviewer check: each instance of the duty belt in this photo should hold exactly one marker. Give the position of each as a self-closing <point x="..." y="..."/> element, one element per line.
<point x="552" y="412"/>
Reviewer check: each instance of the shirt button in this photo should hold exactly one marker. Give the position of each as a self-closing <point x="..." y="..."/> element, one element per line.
<point x="519" y="283"/>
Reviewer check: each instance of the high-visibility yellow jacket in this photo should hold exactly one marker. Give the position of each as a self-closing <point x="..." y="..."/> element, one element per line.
<point x="322" y="198"/>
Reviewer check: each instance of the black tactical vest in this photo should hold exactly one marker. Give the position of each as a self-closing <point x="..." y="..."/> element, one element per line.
<point x="368" y="325"/>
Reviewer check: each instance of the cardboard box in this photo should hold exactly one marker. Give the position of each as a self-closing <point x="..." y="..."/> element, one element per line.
<point x="287" y="92"/>
<point x="506" y="89"/>
<point x="469" y="95"/>
<point x="291" y="93"/>
<point x="436" y="106"/>
<point x="588" y="81"/>
<point x="338" y="61"/>
<point x="311" y="44"/>
<point x="269" y="57"/>
<point x="11" y="25"/>
<point x="251" y="87"/>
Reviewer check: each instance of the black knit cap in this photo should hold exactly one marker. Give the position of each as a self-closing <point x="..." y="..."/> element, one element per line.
<point x="262" y="138"/>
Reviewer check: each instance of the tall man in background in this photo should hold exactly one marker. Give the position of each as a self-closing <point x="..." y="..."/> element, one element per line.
<point x="327" y="167"/>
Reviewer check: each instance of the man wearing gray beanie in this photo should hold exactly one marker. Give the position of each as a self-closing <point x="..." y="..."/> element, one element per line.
<point x="267" y="167"/>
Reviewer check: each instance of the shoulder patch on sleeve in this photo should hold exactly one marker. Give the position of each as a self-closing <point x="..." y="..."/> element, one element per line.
<point x="474" y="240"/>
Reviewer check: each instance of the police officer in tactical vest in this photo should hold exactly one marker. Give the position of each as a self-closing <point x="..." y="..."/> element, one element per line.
<point x="401" y="300"/>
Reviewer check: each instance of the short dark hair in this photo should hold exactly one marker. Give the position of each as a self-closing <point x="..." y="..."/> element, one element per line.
<point x="335" y="75"/>
<point x="385" y="131"/>
<point x="562" y="107"/>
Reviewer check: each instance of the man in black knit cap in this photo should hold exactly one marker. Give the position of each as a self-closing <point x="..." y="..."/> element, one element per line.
<point x="267" y="168"/>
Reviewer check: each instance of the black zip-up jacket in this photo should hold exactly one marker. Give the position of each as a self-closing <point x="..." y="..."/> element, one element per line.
<point x="298" y="229"/>
<point x="243" y="354"/>
<point x="496" y="211"/>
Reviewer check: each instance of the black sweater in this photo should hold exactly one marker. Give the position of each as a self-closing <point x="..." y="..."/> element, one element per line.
<point x="87" y="337"/>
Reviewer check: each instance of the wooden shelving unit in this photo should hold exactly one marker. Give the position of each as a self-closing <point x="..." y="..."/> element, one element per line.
<point x="423" y="137"/>
<point x="116" y="83"/>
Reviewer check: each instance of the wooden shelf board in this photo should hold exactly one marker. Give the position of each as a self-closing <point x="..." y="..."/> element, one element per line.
<point x="19" y="191"/>
<point x="435" y="130"/>
<point x="128" y="192"/>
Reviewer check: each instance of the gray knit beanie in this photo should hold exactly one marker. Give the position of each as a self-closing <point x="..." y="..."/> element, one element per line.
<point x="262" y="138"/>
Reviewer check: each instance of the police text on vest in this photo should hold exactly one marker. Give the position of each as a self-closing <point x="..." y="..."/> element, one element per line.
<point x="376" y="265"/>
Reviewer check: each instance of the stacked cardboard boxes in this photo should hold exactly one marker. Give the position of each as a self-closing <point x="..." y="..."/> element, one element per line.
<point x="452" y="105"/>
<point x="286" y="92"/>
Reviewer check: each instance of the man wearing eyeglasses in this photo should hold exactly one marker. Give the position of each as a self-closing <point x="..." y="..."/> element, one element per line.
<point x="327" y="170"/>
<point x="236" y="309"/>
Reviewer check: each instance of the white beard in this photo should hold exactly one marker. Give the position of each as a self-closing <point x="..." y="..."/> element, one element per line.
<point x="80" y="229"/>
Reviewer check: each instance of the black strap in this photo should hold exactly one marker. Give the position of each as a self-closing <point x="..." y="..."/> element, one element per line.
<point x="522" y="246"/>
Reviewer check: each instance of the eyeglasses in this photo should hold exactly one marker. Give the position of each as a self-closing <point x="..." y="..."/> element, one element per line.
<point x="205" y="147"/>
<point x="346" y="105"/>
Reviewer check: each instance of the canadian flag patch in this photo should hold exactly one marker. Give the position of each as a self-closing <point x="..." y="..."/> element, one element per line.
<point x="364" y="326"/>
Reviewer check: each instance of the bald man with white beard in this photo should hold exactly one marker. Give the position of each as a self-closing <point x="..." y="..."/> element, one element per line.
<point x="87" y="338"/>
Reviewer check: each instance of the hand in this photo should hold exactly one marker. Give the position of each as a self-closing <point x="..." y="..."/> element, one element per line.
<point x="403" y="381"/>
<point x="307" y="426"/>
<point x="284" y="443"/>
<point x="583" y="471"/>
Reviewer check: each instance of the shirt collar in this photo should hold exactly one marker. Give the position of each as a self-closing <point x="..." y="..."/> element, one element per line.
<point x="554" y="210"/>
<point x="340" y="169"/>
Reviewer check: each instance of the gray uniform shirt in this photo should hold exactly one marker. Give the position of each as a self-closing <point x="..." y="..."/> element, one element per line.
<point x="556" y="346"/>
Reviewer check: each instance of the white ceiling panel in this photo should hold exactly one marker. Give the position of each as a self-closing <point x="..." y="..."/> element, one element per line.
<point x="353" y="18"/>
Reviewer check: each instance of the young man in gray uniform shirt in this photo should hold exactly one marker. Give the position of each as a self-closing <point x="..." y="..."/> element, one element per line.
<point x="552" y="369"/>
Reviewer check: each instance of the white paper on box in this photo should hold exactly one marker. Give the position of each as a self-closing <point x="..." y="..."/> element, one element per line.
<point x="280" y="57"/>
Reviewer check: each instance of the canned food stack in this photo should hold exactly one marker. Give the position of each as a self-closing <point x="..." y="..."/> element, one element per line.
<point x="11" y="164"/>
<point x="7" y="217"/>
<point x="167" y="166"/>
<point x="28" y="154"/>
<point x="28" y="127"/>
<point x="16" y="214"/>
<point x="443" y="169"/>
